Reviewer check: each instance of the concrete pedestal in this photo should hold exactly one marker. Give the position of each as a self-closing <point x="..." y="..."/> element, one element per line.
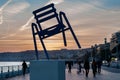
<point x="47" y="70"/>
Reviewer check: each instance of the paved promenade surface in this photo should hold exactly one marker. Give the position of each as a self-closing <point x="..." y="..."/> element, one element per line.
<point x="105" y="75"/>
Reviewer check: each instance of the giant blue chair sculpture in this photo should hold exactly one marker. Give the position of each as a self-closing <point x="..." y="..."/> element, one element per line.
<point x="46" y="13"/>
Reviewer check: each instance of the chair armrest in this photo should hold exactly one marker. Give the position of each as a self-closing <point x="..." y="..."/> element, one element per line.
<point x="34" y="27"/>
<point x="62" y="16"/>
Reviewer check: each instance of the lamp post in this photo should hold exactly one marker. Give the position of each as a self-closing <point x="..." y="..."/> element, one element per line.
<point x="105" y="41"/>
<point x="117" y="51"/>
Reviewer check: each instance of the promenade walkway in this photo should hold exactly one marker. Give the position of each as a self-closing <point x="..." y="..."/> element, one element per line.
<point x="105" y="75"/>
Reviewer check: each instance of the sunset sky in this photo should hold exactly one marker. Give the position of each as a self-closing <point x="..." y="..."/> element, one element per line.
<point x="91" y="20"/>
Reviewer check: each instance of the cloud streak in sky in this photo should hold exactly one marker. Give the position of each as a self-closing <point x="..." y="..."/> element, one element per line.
<point x="5" y="5"/>
<point x="1" y="10"/>
<point x="1" y="17"/>
<point x="55" y="1"/>
<point x="16" y="8"/>
<point x="27" y="24"/>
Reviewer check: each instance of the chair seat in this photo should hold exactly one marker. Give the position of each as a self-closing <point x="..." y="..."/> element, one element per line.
<point x="51" y="31"/>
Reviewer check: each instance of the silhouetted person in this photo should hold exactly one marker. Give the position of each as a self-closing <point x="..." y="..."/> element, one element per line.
<point x="69" y="66"/>
<point x="24" y="67"/>
<point x="94" y="67"/>
<point x="99" y="63"/>
<point x="79" y="67"/>
<point x="87" y="67"/>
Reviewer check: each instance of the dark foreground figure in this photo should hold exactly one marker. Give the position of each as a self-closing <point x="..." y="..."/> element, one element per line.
<point x="87" y="67"/>
<point x="79" y="67"/>
<point x="99" y="64"/>
<point x="94" y="67"/>
<point x="69" y="66"/>
<point x="24" y="67"/>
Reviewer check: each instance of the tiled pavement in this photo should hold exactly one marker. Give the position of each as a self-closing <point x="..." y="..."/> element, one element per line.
<point x="105" y="75"/>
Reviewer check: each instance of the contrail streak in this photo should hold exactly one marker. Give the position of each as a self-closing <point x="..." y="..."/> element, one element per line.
<point x="1" y="9"/>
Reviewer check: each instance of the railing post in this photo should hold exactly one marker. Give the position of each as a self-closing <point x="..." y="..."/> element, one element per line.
<point x="1" y="72"/>
<point x="27" y="69"/>
<point x="8" y="71"/>
<point x="18" y="69"/>
<point x="12" y="71"/>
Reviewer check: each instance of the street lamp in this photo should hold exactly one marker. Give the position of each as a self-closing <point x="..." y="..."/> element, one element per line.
<point x="105" y="41"/>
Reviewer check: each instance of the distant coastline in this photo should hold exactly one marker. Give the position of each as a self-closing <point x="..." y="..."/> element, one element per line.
<point x="30" y="55"/>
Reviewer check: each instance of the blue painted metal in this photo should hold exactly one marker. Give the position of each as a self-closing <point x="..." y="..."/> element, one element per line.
<point x="74" y="36"/>
<point x="34" y="39"/>
<point x="46" y="13"/>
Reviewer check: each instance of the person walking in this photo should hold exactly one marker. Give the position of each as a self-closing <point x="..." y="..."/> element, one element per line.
<point x="87" y="67"/>
<point x="24" y="67"/>
<point x="99" y="63"/>
<point x="69" y="66"/>
<point x="94" y="67"/>
<point x="79" y="67"/>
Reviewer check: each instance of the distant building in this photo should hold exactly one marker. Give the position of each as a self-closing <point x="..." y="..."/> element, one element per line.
<point x="103" y="51"/>
<point x="115" y="44"/>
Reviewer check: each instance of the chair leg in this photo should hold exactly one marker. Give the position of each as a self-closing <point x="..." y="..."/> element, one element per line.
<point x="75" y="38"/>
<point x="64" y="38"/>
<point x="35" y="44"/>
<point x="36" y="50"/>
<point x="63" y="32"/>
<point x="45" y="50"/>
<point x="63" y="14"/>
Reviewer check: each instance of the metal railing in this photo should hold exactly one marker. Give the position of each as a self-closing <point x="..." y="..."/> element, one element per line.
<point x="11" y="71"/>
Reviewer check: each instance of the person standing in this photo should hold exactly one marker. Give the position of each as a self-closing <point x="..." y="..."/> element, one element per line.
<point x="24" y="67"/>
<point x="94" y="67"/>
<point x="87" y="67"/>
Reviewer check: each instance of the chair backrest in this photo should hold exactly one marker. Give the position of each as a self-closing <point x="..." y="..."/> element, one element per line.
<point x="45" y="13"/>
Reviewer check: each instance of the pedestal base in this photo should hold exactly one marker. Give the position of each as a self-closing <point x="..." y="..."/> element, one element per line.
<point x="47" y="70"/>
